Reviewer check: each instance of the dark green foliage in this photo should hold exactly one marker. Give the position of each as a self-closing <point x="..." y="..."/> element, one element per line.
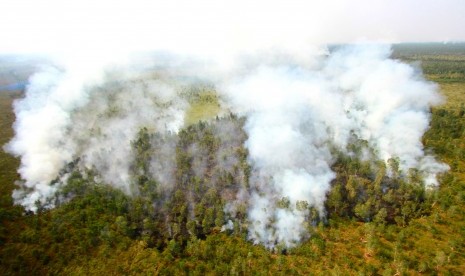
<point x="370" y="191"/>
<point x="194" y="204"/>
<point x="446" y="134"/>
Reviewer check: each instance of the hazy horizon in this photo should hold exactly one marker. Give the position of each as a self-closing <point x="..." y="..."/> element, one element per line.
<point x="214" y="28"/>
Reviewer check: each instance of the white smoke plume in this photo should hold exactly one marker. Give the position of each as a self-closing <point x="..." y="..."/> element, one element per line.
<point x="67" y="115"/>
<point x="299" y="99"/>
<point x="295" y="114"/>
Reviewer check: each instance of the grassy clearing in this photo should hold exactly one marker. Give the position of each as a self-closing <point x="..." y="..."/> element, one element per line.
<point x="454" y="93"/>
<point x="204" y="106"/>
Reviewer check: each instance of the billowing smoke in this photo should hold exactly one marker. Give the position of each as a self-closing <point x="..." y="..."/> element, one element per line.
<point x="296" y="115"/>
<point x="301" y="104"/>
<point x="68" y="115"/>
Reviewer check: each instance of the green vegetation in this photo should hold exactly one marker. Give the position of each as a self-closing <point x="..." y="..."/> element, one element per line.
<point x="376" y="224"/>
<point x="203" y="106"/>
<point x="440" y="62"/>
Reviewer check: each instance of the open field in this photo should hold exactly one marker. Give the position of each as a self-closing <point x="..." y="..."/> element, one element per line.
<point x="204" y="107"/>
<point x="440" y="62"/>
<point x="454" y="94"/>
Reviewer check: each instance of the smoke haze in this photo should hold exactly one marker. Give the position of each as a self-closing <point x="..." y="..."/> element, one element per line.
<point x="300" y="101"/>
<point x="296" y="114"/>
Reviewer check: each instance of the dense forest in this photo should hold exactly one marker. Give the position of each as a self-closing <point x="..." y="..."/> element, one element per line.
<point x="378" y="220"/>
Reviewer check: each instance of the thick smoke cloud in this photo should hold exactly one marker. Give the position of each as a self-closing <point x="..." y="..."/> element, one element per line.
<point x="67" y="115"/>
<point x="296" y="113"/>
<point x="300" y="101"/>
